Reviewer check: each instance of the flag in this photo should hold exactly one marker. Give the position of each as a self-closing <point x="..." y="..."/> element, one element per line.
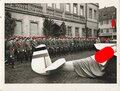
<point x="113" y="23"/>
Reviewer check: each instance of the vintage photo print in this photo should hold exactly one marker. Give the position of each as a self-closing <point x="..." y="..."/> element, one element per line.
<point x="60" y="43"/>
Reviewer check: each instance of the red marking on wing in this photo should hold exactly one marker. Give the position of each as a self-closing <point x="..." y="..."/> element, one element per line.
<point x="104" y="55"/>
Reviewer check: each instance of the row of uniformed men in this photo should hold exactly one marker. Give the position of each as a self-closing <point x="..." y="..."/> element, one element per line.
<point x="20" y="49"/>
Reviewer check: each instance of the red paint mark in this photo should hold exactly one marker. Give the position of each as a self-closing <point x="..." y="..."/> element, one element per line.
<point x="104" y="55"/>
<point x="113" y="23"/>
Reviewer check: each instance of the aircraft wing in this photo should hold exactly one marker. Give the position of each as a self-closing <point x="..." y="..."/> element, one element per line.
<point x="100" y="46"/>
<point x="58" y="63"/>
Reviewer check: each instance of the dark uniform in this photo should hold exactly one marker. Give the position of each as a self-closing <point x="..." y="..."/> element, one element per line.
<point x="10" y="52"/>
<point x="20" y="51"/>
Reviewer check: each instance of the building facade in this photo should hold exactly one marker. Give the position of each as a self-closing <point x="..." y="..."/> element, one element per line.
<point x="106" y="15"/>
<point x="92" y="12"/>
<point x="30" y="17"/>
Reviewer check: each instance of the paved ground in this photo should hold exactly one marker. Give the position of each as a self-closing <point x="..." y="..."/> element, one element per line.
<point x="24" y="74"/>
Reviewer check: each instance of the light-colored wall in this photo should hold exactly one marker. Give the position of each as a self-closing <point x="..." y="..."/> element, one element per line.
<point x="92" y="23"/>
<point x="73" y="25"/>
<point x="104" y="27"/>
<point x="93" y="7"/>
<point x="26" y="22"/>
<point x="93" y="26"/>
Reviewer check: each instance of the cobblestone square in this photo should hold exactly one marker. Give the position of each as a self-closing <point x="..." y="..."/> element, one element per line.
<point x="24" y="74"/>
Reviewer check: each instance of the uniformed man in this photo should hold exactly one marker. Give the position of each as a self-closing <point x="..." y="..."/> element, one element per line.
<point x="11" y="55"/>
<point x="20" y="50"/>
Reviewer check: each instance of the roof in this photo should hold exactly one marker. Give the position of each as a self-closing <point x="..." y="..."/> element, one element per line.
<point x="107" y="13"/>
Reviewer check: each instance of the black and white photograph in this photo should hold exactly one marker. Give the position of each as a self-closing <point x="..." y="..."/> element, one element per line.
<point x="60" y="43"/>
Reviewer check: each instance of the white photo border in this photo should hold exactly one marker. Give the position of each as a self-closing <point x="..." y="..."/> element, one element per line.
<point x="59" y="87"/>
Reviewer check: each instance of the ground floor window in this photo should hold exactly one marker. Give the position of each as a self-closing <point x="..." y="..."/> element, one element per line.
<point x="83" y="32"/>
<point x="33" y="28"/>
<point x="101" y="30"/>
<point x="18" y="28"/>
<point x="95" y="32"/>
<point x="76" y="31"/>
<point x="89" y="32"/>
<point x="114" y="30"/>
<point x="69" y="31"/>
<point x="107" y="30"/>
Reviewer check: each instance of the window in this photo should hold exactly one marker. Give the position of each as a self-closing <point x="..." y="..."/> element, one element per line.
<point x="107" y="30"/>
<point x="50" y="4"/>
<point x="67" y="7"/>
<point x="95" y="14"/>
<point x="113" y="29"/>
<point x="90" y="13"/>
<point x="89" y="32"/>
<point x="95" y="32"/>
<point x="76" y="31"/>
<point x="69" y="32"/>
<point x="104" y="22"/>
<point x="75" y="8"/>
<point x="107" y="21"/>
<point x="101" y="30"/>
<point x="33" y="28"/>
<point x="58" y="5"/>
<point x="83" y="32"/>
<point x="18" y="28"/>
<point x="101" y="23"/>
<point x="81" y="10"/>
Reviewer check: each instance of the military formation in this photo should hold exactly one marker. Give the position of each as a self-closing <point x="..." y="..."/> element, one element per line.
<point x="20" y="49"/>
